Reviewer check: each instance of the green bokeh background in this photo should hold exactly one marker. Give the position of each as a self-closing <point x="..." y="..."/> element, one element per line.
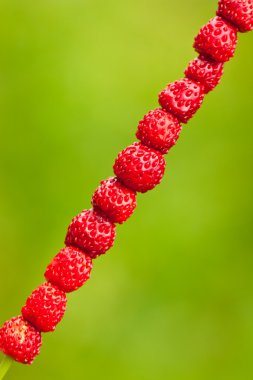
<point x="174" y="298"/>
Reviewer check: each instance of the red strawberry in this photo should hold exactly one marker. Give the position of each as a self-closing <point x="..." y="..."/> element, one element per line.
<point x="217" y="40"/>
<point x="69" y="269"/>
<point x="238" y="12"/>
<point x="115" y="200"/>
<point x="182" y="98"/>
<point x="91" y="232"/>
<point x="205" y="71"/>
<point x="45" y="307"/>
<point x="139" y="167"/>
<point x="20" y="340"/>
<point x="159" y="130"/>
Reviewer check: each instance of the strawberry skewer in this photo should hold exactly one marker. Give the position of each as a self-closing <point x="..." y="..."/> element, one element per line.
<point x="138" y="168"/>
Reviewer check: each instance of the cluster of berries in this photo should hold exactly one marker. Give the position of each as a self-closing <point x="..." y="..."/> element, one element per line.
<point x="138" y="168"/>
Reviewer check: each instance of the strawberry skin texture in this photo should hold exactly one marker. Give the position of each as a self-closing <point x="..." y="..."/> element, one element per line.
<point x="139" y="167"/>
<point x="69" y="269"/>
<point x="237" y="12"/>
<point x="159" y="130"/>
<point x="115" y="200"/>
<point x="205" y="71"/>
<point x="45" y="307"/>
<point x="20" y="340"/>
<point x="217" y="40"/>
<point x="182" y="98"/>
<point x="91" y="232"/>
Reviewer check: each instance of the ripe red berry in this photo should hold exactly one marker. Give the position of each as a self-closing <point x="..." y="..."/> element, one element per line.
<point x="217" y="40"/>
<point x="140" y="168"/>
<point x="69" y="269"/>
<point x="159" y="130"/>
<point x="91" y="232"/>
<point x="238" y="12"/>
<point x="205" y="71"/>
<point x="20" y="340"/>
<point x="182" y="98"/>
<point x="45" y="307"/>
<point x="115" y="200"/>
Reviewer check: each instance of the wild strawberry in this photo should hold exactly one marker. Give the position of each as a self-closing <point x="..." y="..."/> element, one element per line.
<point x="217" y="40"/>
<point x="205" y="71"/>
<point x="237" y="12"/>
<point x="69" y="269"/>
<point x="115" y="200"/>
<point x="159" y="130"/>
<point x="91" y="232"/>
<point x="45" y="307"/>
<point x="182" y="98"/>
<point x="140" y="168"/>
<point x="20" y="340"/>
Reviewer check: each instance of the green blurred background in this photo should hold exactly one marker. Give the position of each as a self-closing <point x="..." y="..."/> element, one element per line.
<point x="174" y="298"/>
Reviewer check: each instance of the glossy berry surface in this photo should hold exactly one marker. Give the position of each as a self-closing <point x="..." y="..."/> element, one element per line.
<point x="217" y="40"/>
<point x="182" y="98"/>
<point x="115" y="200"/>
<point x="45" y="307"/>
<point x="69" y="269"/>
<point x="205" y="71"/>
<point x="20" y="340"/>
<point x="159" y="130"/>
<point x="139" y="167"/>
<point x="237" y="12"/>
<point x="91" y="232"/>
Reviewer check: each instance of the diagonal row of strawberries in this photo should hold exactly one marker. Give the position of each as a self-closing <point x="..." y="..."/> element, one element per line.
<point x="138" y="168"/>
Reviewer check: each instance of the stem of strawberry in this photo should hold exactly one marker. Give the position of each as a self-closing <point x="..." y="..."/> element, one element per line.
<point x="4" y="366"/>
